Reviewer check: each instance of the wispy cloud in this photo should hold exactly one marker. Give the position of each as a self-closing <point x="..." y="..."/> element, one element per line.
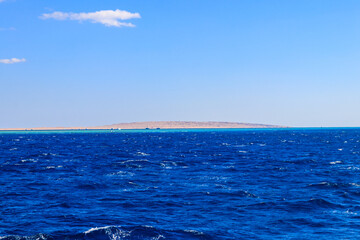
<point x="7" y="29"/>
<point x="12" y="60"/>
<point x="109" y="18"/>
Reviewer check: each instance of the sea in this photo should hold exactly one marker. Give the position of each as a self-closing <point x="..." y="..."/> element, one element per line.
<point x="180" y="184"/>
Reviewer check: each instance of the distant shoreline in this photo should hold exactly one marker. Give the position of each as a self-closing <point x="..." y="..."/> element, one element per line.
<point x="154" y="126"/>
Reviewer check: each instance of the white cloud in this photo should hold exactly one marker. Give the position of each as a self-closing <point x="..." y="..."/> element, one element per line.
<point x="109" y="18"/>
<point x="12" y="60"/>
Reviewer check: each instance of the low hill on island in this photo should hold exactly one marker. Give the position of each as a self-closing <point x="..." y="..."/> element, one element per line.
<point x="185" y="124"/>
<point x="161" y="125"/>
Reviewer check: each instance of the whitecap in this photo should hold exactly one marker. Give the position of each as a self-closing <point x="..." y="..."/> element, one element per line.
<point x="355" y="184"/>
<point x="122" y="173"/>
<point x="194" y="232"/>
<point x="166" y="166"/>
<point x="242" y="145"/>
<point x="99" y="228"/>
<point x="335" y="162"/>
<point x="347" y="212"/>
<point x="353" y="168"/>
<point x="136" y="160"/>
<point x="142" y="154"/>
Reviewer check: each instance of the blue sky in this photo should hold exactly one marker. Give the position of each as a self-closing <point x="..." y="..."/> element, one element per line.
<point x="292" y="63"/>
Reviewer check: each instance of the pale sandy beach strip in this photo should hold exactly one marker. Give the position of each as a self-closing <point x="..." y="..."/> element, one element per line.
<point x="157" y="125"/>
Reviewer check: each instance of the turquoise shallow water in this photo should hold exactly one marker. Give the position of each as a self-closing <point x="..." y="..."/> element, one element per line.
<point x="180" y="184"/>
<point x="170" y="130"/>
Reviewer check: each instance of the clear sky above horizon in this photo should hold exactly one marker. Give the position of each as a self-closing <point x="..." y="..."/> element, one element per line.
<point x="283" y="62"/>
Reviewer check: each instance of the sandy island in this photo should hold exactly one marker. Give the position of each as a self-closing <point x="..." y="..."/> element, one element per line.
<point x="157" y="125"/>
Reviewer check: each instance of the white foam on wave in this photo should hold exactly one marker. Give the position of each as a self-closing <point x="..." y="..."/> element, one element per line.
<point x="194" y="232"/>
<point x="168" y="164"/>
<point x="135" y="160"/>
<point x="122" y="173"/>
<point x="239" y="146"/>
<point x="142" y="154"/>
<point x="335" y="162"/>
<point x="37" y="237"/>
<point x="96" y="228"/>
<point x="353" y="168"/>
<point x="120" y="234"/>
<point x="347" y="212"/>
<point x="29" y="160"/>
<point x="53" y="167"/>
<point x="355" y="184"/>
<point x="159" y="237"/>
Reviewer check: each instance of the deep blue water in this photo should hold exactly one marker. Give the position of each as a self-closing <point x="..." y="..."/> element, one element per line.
<point x="248" y="184"/>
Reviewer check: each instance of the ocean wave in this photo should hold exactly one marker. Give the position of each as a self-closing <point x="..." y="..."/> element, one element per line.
<point x="332" y="185"/>
<point x="119" y="233"/>
<point x="313" y="204"/>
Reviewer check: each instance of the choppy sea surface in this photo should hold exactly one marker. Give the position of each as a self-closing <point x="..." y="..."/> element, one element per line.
<point x="184" y="184"/>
